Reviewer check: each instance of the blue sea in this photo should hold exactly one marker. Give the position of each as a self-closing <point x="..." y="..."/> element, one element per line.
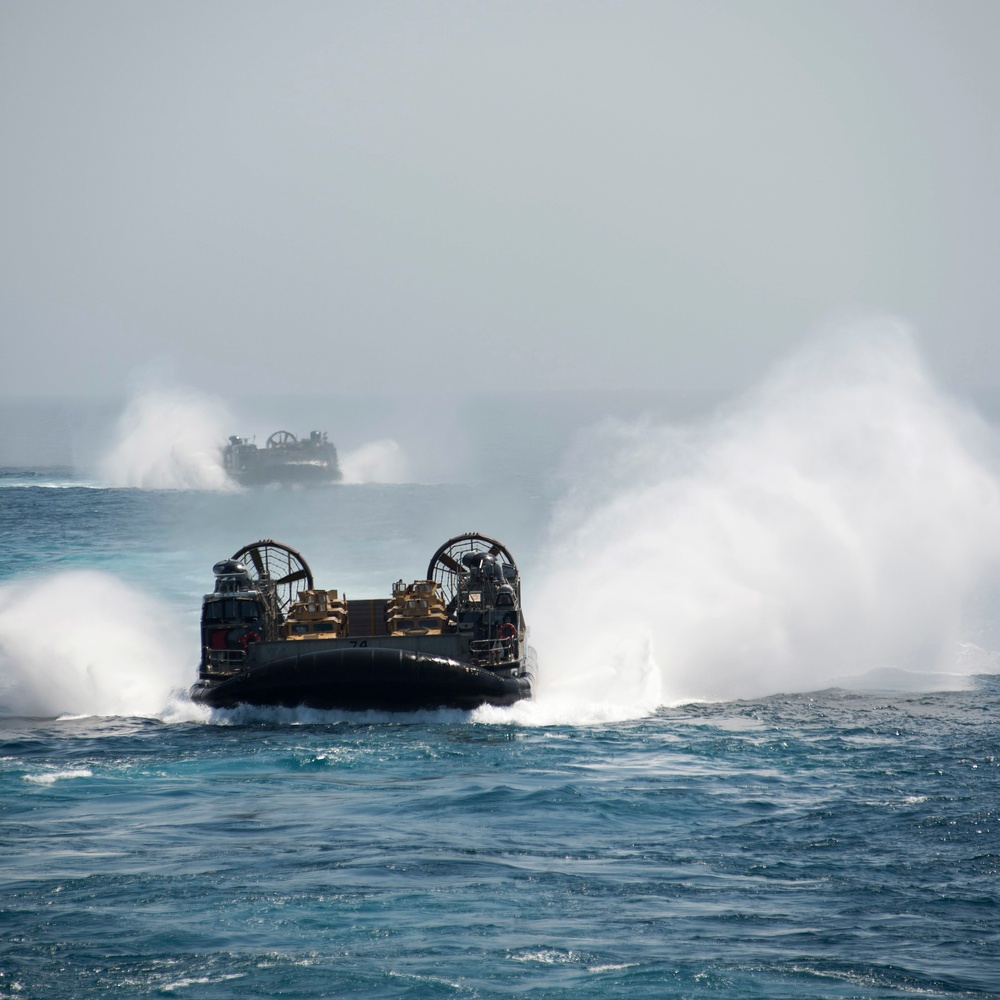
<point x="622" y="835"/>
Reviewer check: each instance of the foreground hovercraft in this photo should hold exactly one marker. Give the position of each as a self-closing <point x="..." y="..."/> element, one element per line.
<point x="456" y="639"/>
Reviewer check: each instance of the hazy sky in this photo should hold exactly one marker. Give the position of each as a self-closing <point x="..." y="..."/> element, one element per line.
<point x="357" y="195"/>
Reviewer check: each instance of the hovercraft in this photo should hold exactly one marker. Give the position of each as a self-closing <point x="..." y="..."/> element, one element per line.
<point x="284" y="459"/>
<point x="455" y="639"/>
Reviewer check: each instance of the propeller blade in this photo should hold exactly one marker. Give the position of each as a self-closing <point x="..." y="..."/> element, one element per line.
<point x="300" y="574"/>
<point x="450" y="563"/>
<point x="257" y="561"/>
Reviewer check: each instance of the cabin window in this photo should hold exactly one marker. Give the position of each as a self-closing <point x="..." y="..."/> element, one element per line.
<point x="230" y="608"/>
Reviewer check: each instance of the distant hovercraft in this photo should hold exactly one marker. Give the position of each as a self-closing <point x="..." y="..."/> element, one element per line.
<point x="284" y="459"/>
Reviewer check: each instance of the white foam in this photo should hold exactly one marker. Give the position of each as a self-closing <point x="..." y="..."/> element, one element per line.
<point x="51" y="777"/>
<point x="84" y="643"/>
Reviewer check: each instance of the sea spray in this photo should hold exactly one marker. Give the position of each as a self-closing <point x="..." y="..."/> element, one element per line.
<point x="169" y="439"/>
<point x="380" y="461"/>
<point x="834" y="522"/>
<point x="84" y="643"/>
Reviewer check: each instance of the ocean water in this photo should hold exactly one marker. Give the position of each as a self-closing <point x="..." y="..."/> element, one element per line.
<point x="785" y="788"/>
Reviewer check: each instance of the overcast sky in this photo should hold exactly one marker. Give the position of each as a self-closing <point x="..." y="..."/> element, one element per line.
<point x="342" y="196"/>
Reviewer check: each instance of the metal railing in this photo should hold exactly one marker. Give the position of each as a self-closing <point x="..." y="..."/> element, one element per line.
<point x="492" y="652"/>
<point x="217" y="664"/>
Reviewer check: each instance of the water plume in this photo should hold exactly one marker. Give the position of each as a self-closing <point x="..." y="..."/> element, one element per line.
<point x="379" y="461"/>
<point x="169" y="439"/>
<point x="84" y="643"/>
<point x="834" y="523"/>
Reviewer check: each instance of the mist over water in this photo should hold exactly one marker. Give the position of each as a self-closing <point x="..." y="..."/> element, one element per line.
<point x="169" y="439"/>
<point x="172" y="439"/>
<point x="379" y="461"/>
<point x="834" y="524"/>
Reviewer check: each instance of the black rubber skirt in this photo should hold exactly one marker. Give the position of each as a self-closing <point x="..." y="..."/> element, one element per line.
<point x="389" y="680"/>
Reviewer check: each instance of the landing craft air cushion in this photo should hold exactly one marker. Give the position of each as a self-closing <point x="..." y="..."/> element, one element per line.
<point x="455" y="639"/>
<point x="283" y="459"/>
